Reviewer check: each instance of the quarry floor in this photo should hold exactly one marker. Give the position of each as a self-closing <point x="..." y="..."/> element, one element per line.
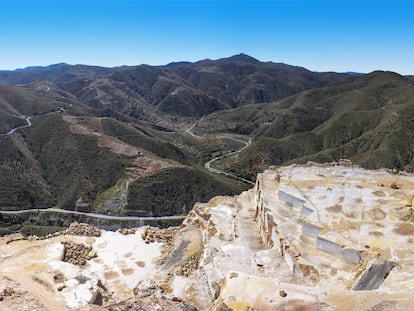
<point x="29" y="268"/>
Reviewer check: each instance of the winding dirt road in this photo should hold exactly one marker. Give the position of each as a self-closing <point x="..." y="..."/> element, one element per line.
<point x="29" y="123"/>
<point x="207" y="165"/>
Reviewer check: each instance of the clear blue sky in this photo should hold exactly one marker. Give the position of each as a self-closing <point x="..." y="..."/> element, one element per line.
<point x="321" y="35"/>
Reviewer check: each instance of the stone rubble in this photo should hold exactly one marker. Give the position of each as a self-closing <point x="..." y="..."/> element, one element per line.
<point x="82" y="229"/>
<point x="186" y="267"/>
<point x="126" y="231"/>
<point x="8" y="292"/>
<point x="77" y="254"/>
<point x="59" y="278"/>
<point x="13" y="294"/>
<point x="151" y="234"/>
<point x="149" y="296"/>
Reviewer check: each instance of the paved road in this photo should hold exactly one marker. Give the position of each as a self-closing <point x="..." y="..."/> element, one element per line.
<point x="207" y="165"/>
<point x="93" y="215"/>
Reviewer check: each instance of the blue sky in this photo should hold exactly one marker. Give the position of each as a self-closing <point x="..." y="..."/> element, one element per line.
<point x="320" y="35"/>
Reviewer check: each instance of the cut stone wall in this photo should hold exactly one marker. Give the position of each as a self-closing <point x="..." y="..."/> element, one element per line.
<point x="352" y="255"/>
<point x="348" y="254"/>
<point x="310" y="230"/>
<point x="306" y="211"/>
<point x="290" y="199"/>
<point x="274" y="238"/>
<point x="329" y="247"/>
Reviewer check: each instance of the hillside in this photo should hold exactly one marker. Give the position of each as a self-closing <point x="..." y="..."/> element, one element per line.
<point x="90" y="163"/>
<point x="95" y="164"/>
<point x="183" y="187"/>
<point x="366" y="118"/>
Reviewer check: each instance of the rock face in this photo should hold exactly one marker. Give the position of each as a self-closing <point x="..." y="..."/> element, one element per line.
<point x="306" y="237"/>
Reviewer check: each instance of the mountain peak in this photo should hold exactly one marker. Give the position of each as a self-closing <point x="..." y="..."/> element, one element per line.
<point x="177" y="64"/>
<point x="243" y="57"/>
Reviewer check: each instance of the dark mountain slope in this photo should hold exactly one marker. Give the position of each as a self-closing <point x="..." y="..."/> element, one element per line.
<point x="183" y="186"/>
<point x="141" y="138"/>
<point x="22" y="182"/>
<point x="74" y="165"/>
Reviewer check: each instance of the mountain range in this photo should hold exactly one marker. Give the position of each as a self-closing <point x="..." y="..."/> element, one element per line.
<point x="118" y="140"/>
